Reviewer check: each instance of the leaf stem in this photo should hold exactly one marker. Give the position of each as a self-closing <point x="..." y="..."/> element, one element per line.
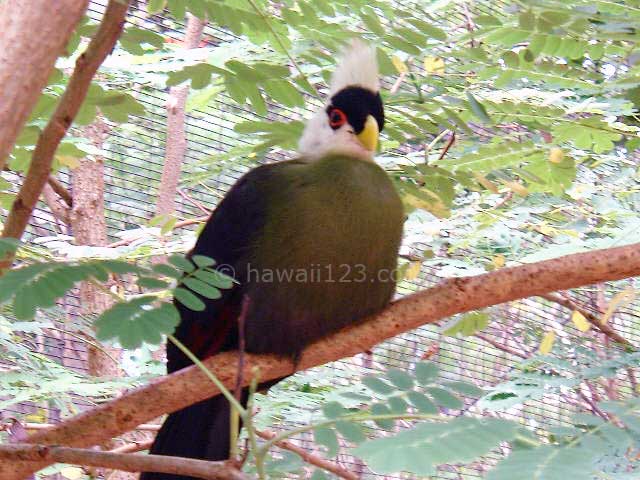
<point x="223" y="390"/>
<point x="357" y="417"/>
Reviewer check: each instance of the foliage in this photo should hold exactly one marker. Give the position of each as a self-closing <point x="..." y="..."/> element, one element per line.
<point x="542" y="97"/>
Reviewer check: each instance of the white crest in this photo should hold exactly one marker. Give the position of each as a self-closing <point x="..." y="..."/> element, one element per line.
<point x="358" y="67"/>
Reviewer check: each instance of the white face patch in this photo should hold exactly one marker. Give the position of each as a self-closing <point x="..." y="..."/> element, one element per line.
<point x="319" y="140"/>
<point x="359" y="67"/>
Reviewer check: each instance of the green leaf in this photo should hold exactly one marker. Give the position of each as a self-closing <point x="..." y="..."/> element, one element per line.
<point x="468" y="324"/>
<point x="378" y="386"/>
<point x="545" y="462"/>
<point x="422" y="403"/>
<point x="181" y="263"/>
<point x="351" y="431"/>
<point x="464" y="388"/>
<point x="400" y="379"/>
<point x="382" y="409"/>
<point x="327" y="437"/>
<point x="166" y="270"/>
<point x="155" y="6"/>
<point x="290" y="462"/>
<point x="152" y="283"/>
<point x="426" y="372"/>
<point x="421" y="449"/>
<point x="333" y="410"/>
<point x="478" y="109"/>
<point x="134" y="322"/>
<point x="188" y="299"/>
<point x="201" y="261"/>
<point x="202" y="288"/>
<point x="444" y="398"/>
<point x="397" y="405"/>
<point x="214" y="278"/>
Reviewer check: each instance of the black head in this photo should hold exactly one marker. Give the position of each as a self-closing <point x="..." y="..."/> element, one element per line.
<point x="353" y="105"/>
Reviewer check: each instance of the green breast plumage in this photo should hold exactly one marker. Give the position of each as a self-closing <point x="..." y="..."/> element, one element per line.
<point x="327" y="254"/>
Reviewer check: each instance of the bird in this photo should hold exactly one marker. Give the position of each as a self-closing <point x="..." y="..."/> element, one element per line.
<point x="311" y="243"/>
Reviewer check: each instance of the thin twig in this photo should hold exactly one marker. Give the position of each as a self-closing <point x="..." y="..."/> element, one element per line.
<point x="122" y="461"/>
<point x="180" y="224"/>
<point x="133" y="447"/>
<point x="309" y="457"/>
<point x="241" y="346"/>
<point x="591" y="318"/>
<point x="61" y="190"/>
<point x="502" y="347"/>
<point x="235" y="416"/>
<point x="446" y="148"/>
<point x="398" y="82"/>
<point x="197" y="204"/>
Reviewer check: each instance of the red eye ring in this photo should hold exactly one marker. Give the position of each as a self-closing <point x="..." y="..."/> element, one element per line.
<point x="337" y="118"/>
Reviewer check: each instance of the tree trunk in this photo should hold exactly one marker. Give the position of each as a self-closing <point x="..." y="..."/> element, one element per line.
<point x="89" y="227"/>
<point x="176" y="135"/>
<point x="34" y="33"/>
<point x="176" y="145"/>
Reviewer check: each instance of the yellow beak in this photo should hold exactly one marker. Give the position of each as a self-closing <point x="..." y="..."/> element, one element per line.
<point x="369" y="135"/>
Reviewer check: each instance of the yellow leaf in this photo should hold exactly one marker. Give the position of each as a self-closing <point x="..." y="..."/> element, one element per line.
<point x="434" y="65"/>
<point x="68" y="161"/>
<point x="498" y="261"/>
<point x="38" y="416"/>
<point x="580" y="321"/>
<point x="546" y="229"/>
<point x="485" y="182"/>
<point x="412" y="272"/>
<point x="72" y="473"/>
<point x="556" y="155"/>
<point x="620" y="300"/>
<point x="517" y="188"/>
<point x="547" y="342"/>
<point x="401" y="67"/>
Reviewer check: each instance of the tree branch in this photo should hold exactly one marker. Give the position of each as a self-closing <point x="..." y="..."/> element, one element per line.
<point x="20" y="20"/>
<point x="133" y="447"/>
<point x="61" y="190"/>
<point x="451" y="296"/>
<point x="40" y="169"/>
<point x="180" y="224"/>
<point x="310" y="458"/>
<point x="123" y="461"/>
<point x="59" y="211"/>
<point x="591" y="318"/>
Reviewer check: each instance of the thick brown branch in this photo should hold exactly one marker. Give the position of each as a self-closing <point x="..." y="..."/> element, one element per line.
<point x="123" y="461"/>
<point x="145" y="427"/>
<point x="25" y="63"/>
<point x="40" y="169"/>
<point x="591" y="318"/>
<point x="310" y="458"/>
<point x="452" y="296"/>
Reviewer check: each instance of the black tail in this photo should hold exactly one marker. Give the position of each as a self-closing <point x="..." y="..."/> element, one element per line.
<point x="201" y="430"/>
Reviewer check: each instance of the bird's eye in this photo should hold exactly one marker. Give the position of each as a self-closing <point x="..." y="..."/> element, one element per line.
<point x="337" y="118"/>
